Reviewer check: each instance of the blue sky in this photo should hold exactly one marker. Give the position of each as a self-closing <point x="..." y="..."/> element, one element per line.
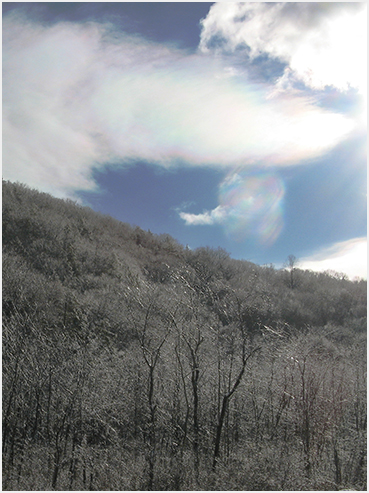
<point x="234" y="125"/>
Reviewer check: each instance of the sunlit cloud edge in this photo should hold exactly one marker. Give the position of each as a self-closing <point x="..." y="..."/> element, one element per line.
<point x="348" y="257"/>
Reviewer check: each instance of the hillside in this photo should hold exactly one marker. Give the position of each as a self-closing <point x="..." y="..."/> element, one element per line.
<point x="133" y="363"/>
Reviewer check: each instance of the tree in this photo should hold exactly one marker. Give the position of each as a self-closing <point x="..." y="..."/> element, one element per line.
<point x="290" y="264"/>
<point x="226" y="398"/>
<point x="127" y="362"/>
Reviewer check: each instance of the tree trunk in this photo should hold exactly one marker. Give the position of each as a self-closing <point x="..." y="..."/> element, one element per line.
<point x="226" y="399"/>
<point x="219" y="430"/>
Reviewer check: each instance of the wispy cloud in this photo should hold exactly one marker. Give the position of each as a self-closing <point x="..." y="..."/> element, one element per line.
<point x="77" y="97"/>
<point x="349" y="257"/>
<point x="323" y="44"/>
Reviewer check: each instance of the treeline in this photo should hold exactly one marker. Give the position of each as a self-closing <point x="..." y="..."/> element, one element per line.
<point x="133" y="363"/>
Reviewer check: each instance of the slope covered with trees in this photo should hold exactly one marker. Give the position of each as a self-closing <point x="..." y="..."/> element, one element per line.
<point x="133" y="363"/>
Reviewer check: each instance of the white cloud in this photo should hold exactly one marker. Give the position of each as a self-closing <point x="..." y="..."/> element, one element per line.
<point x="349" y="257"/>
<point x="215" y="216"/>
<point x="322" y="43"/>
<point x="76" y="98"/>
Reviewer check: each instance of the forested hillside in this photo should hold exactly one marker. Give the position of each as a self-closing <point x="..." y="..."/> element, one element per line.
<point x="133" y="363"/>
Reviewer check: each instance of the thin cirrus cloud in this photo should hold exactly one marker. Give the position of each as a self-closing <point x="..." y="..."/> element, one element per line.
<point x="78" y="97"/>
<point x="323" y="44"/>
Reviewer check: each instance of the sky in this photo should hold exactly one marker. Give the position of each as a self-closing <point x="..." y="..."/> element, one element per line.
<point x="232" y="125"/>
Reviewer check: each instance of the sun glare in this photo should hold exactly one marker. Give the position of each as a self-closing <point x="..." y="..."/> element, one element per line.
<point x="338" y="58"/>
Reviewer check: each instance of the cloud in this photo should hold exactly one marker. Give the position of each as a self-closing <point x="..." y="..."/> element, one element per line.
<point x="250" y="205"/>
<point x="216" y="216"/>
<point x="323" y="44"/>
<point x="349" y="257"/>
<point x="78" y="97"/>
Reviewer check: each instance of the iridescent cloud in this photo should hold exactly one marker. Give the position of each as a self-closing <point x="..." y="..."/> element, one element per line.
<point x="250" y="205"/>
<point x="77" y="97"/>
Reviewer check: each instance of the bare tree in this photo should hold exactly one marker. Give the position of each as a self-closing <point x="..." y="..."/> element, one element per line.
<point x="151" y="352"/>
<point x="227" y="397"/>
<point x="290" y="264"/>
